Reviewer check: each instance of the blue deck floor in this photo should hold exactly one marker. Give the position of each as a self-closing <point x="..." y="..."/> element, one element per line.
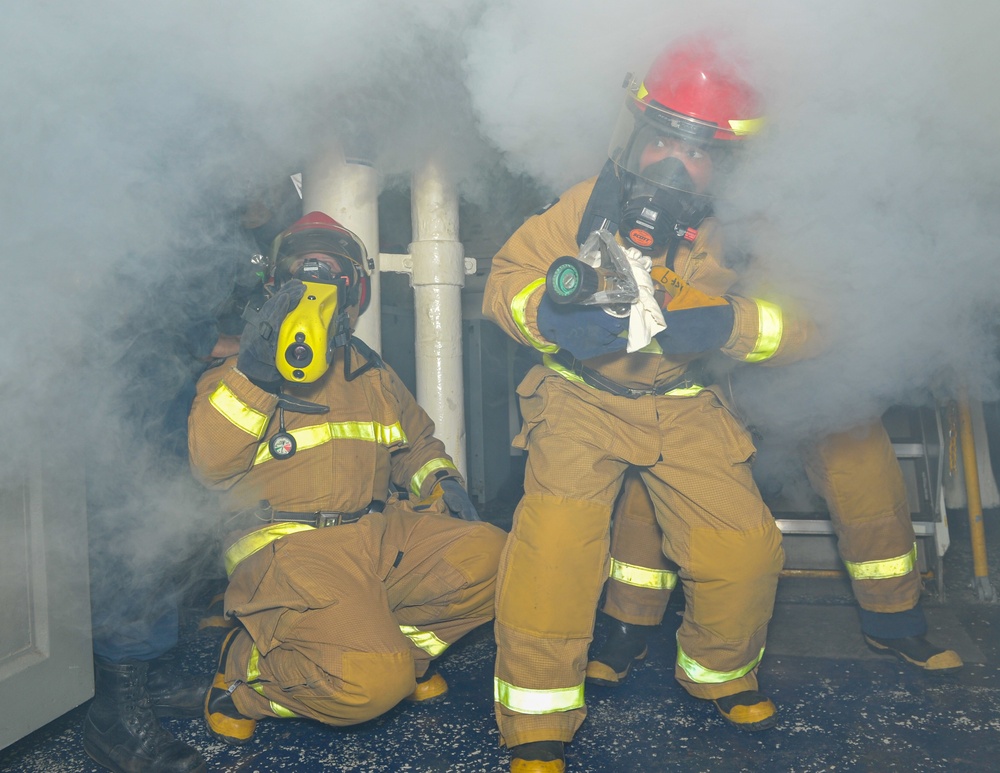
<point x="842" y="708"/>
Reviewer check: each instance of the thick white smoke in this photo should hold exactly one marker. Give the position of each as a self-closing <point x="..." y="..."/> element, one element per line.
<point x="868" y="204"/>
<point x="130" y="133"/>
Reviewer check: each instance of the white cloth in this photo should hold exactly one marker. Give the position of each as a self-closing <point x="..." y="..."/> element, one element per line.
<point x="645" y="315"/>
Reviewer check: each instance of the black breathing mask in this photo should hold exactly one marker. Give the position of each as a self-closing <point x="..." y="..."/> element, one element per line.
<point x="654" y="214"/>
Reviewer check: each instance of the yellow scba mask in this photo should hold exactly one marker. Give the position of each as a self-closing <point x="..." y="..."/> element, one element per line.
<point x="303" y="351"/>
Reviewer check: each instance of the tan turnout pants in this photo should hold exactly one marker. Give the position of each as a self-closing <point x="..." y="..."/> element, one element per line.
<point x="858" y="475"/>
<point x="326" y="612"/>
<point x="713" y="523"/>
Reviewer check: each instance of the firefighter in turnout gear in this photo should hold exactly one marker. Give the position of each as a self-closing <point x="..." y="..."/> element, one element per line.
<point x="345" y="592"/>
<point x="857" y="473"/>
<point x="601" y="404"/>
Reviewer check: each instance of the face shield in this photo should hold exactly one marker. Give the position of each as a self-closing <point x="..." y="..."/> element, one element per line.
<point x="669" y="165"/>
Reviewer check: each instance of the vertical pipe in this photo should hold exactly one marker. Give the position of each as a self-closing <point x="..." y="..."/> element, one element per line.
<point x="980" y="565"/>
<point x="347" y="190"/>
<point x="437" y="279"/>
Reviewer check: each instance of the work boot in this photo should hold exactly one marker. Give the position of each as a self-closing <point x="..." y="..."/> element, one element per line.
<point x="224" y="720"/>
<point x="538" y="757"/>
<point x="748" y="710"/>
<point x="429" y="687"/>
<point x="121" y="732"/>
<point x="919" y="652"/>
<point x="173" y="693"/>
<point x="215" y="614"/>
<point x="624" y="647"/>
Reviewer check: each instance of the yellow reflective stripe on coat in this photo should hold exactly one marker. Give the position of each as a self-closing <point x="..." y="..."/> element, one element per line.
<point x="225" y="401"/>
<point x="253" y="680"/>
<point x="525" y="701"/>
<point x="884" y="569"/>
<point x="771" y="327"/>
<point x="565" y="372"/>
<point x="698" y="673"/>
<point x="426" y="640"/>
<point x="309" y="437"/>
<point x="249" y="544"/>
<point x="518" y="311"/>
<point x="432" y="466"/>
<point x="641" y="577"/>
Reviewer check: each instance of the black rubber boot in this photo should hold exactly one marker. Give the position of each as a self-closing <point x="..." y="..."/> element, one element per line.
<point x="919" y="652"/>
<point x="121" y="732"/>
<point x="748" y="710"/>
<point x="538" y="757"/>
<point x="625" y="646"/>
<point x="173" y="693"/>
<point x="224" y="720"/>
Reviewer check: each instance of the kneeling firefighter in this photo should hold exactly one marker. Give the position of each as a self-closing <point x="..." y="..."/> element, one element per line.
<point x="345" y="592"/>
<point x="617" y="391"/>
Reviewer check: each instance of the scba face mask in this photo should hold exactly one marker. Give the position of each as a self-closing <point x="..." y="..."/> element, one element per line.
<point x="320" y="323"/>
<point x="654" y="213"/>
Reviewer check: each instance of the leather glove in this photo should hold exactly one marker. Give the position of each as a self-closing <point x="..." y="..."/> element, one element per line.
<point x="457" y="500"/>
<point x="696" y="321"/>
<point x="584" y="331"/>
<point x="259" y="341"/>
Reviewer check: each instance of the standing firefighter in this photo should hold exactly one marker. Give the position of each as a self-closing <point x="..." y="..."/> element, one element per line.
<point x="600" y="404"/>
<point x="344" y="592"/>
<point x="858" y="474"/>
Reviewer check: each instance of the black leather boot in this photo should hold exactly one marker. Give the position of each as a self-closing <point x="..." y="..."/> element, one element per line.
<point x="121" y="732"/>
<point x="174" y="693"/>
<point x="624" y="647"/>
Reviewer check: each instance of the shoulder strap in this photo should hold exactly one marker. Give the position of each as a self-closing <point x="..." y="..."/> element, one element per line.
<point x="604" y="205"/>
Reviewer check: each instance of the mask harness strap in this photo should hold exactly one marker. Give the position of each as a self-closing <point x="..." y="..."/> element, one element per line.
<point x="372" y="357"/>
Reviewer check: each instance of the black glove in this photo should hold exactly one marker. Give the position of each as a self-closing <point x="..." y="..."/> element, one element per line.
<point x="259" y="341"/>
<point x="692" y="331"/>
<point x="583" y="331"/>
<point x="457" y="500"/>
<point x="696" y="321"/>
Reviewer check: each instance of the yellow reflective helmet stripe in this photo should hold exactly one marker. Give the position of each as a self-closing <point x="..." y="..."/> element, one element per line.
<point x="641" y="577"/>
<point x="884" y="569"/>
<point x="518" y="311"/>
<point x="426" y="640"/>
<point x="698" y="673"/>
<point x="253" y="677"/>
<point x="741" y="128"/>
<point x="525" y="701"/>
<point x="225" y="401"/>
<point x="309" y="437"/>
<point x="771" y="328"/>
<point x="432" y="466"/>
<point x="249" y="544"/>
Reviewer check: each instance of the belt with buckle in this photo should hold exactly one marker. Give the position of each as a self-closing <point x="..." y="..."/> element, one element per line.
<point x="594" y="379"/>
<point x="322" y="519"/>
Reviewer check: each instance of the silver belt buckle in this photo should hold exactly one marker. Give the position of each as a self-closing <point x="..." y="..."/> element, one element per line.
<point x="325" y="520"/>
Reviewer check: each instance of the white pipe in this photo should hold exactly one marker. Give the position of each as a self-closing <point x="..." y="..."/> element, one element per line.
<point x="437" y="278"/>
<point x="347" y="190"/>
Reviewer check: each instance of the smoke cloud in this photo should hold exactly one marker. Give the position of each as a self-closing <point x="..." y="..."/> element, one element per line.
<point x="132" y="134"/>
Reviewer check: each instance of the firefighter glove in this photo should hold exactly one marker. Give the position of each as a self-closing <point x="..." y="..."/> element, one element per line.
<point x="583" y="331"/>
<point x="457" y="500"/>
<point x="259" y="341"/>
<point x="696" y="321"/>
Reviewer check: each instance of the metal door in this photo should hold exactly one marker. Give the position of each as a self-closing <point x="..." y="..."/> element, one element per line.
<point x="45" y="646"/>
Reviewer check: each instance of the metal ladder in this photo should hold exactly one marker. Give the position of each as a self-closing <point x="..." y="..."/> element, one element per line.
<point x="918" y="439"/>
